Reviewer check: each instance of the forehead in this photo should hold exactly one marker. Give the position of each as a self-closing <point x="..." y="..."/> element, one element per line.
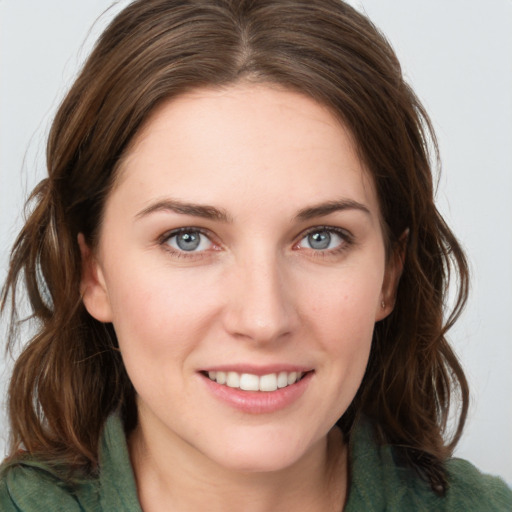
<point x="249" y="139"/>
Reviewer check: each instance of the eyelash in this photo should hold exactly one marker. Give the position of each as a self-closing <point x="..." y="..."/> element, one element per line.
<point x="346" y="238"/>
<point x="166" y="237"/>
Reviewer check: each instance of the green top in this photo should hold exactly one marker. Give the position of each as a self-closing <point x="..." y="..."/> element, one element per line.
<point x="377" y="483"/>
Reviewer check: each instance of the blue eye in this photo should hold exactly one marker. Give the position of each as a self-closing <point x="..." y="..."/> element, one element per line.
<point x="189" y="240"/>
<point x="322" y="240"/>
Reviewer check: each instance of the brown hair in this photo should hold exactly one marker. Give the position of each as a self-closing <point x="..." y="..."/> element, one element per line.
<point x="70" y="376"/>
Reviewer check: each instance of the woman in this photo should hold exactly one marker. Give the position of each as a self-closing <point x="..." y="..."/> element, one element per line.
<point x="239" y="274"/>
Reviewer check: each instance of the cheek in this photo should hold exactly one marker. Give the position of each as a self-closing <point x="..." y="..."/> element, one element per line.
<point x="341" y="319"/>
<point x="344" y="304"/>
<point x="157" y="314"/>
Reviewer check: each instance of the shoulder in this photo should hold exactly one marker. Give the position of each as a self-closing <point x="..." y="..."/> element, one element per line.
<point x="28" y="486"/>
<point x="472" y="490"/>
<point x="469" y="490"/>
<point x="378" y="482"/>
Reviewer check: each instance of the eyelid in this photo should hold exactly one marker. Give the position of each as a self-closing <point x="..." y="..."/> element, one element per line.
<point x="344" y="234"/>
<point x="185" y="229"/>
<point x="165" y="237"/>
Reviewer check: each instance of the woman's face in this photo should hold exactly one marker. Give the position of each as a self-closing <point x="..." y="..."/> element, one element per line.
<point x="241" y="260"/>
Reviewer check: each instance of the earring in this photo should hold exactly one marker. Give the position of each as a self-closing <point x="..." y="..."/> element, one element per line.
<point x="383" y="305"/>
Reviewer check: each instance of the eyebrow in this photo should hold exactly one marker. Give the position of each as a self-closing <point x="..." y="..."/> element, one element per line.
<point x="196" y="210"/>
<point x="214" y="213"/>
<point x="329" y="207"/>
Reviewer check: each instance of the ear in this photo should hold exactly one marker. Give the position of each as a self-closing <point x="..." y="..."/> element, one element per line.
<point x="392" y="276"/>
<point x="92" y="284"/>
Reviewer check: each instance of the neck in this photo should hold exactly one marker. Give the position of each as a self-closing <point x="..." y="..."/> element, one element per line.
<point x="174" y="478"/>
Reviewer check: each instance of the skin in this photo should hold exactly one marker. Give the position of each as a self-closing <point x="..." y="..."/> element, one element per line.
<point x="255" y="293"/>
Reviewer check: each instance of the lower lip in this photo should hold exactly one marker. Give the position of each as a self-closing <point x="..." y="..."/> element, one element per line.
<point x="259" y="402"/>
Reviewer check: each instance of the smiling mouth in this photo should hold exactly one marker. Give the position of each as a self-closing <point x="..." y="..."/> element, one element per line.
<point x="251" y="382"/>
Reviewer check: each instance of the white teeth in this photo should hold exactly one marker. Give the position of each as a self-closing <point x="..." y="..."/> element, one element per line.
<point x="292" y="377"/>
<point x="268" y="382"/>
<point x="282" y="379"/>
<point x="233" y="380"/>
<point x="251" y="382"/>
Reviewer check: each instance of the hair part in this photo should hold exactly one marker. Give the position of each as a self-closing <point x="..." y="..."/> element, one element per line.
<point x="70" y="376"/>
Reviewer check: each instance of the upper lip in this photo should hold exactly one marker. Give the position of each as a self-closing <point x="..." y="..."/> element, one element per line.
<point x="257" y="370"/>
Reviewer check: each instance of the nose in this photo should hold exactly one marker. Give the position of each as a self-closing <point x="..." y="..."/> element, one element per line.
<point x="260" y="306"/>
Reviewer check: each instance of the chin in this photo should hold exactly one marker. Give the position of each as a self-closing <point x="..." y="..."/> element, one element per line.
<point x="261" y="453"/>
<point x="258" y="462"/>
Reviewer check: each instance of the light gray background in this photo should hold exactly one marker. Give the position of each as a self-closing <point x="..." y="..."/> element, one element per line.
<point x="458" y="56"/>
